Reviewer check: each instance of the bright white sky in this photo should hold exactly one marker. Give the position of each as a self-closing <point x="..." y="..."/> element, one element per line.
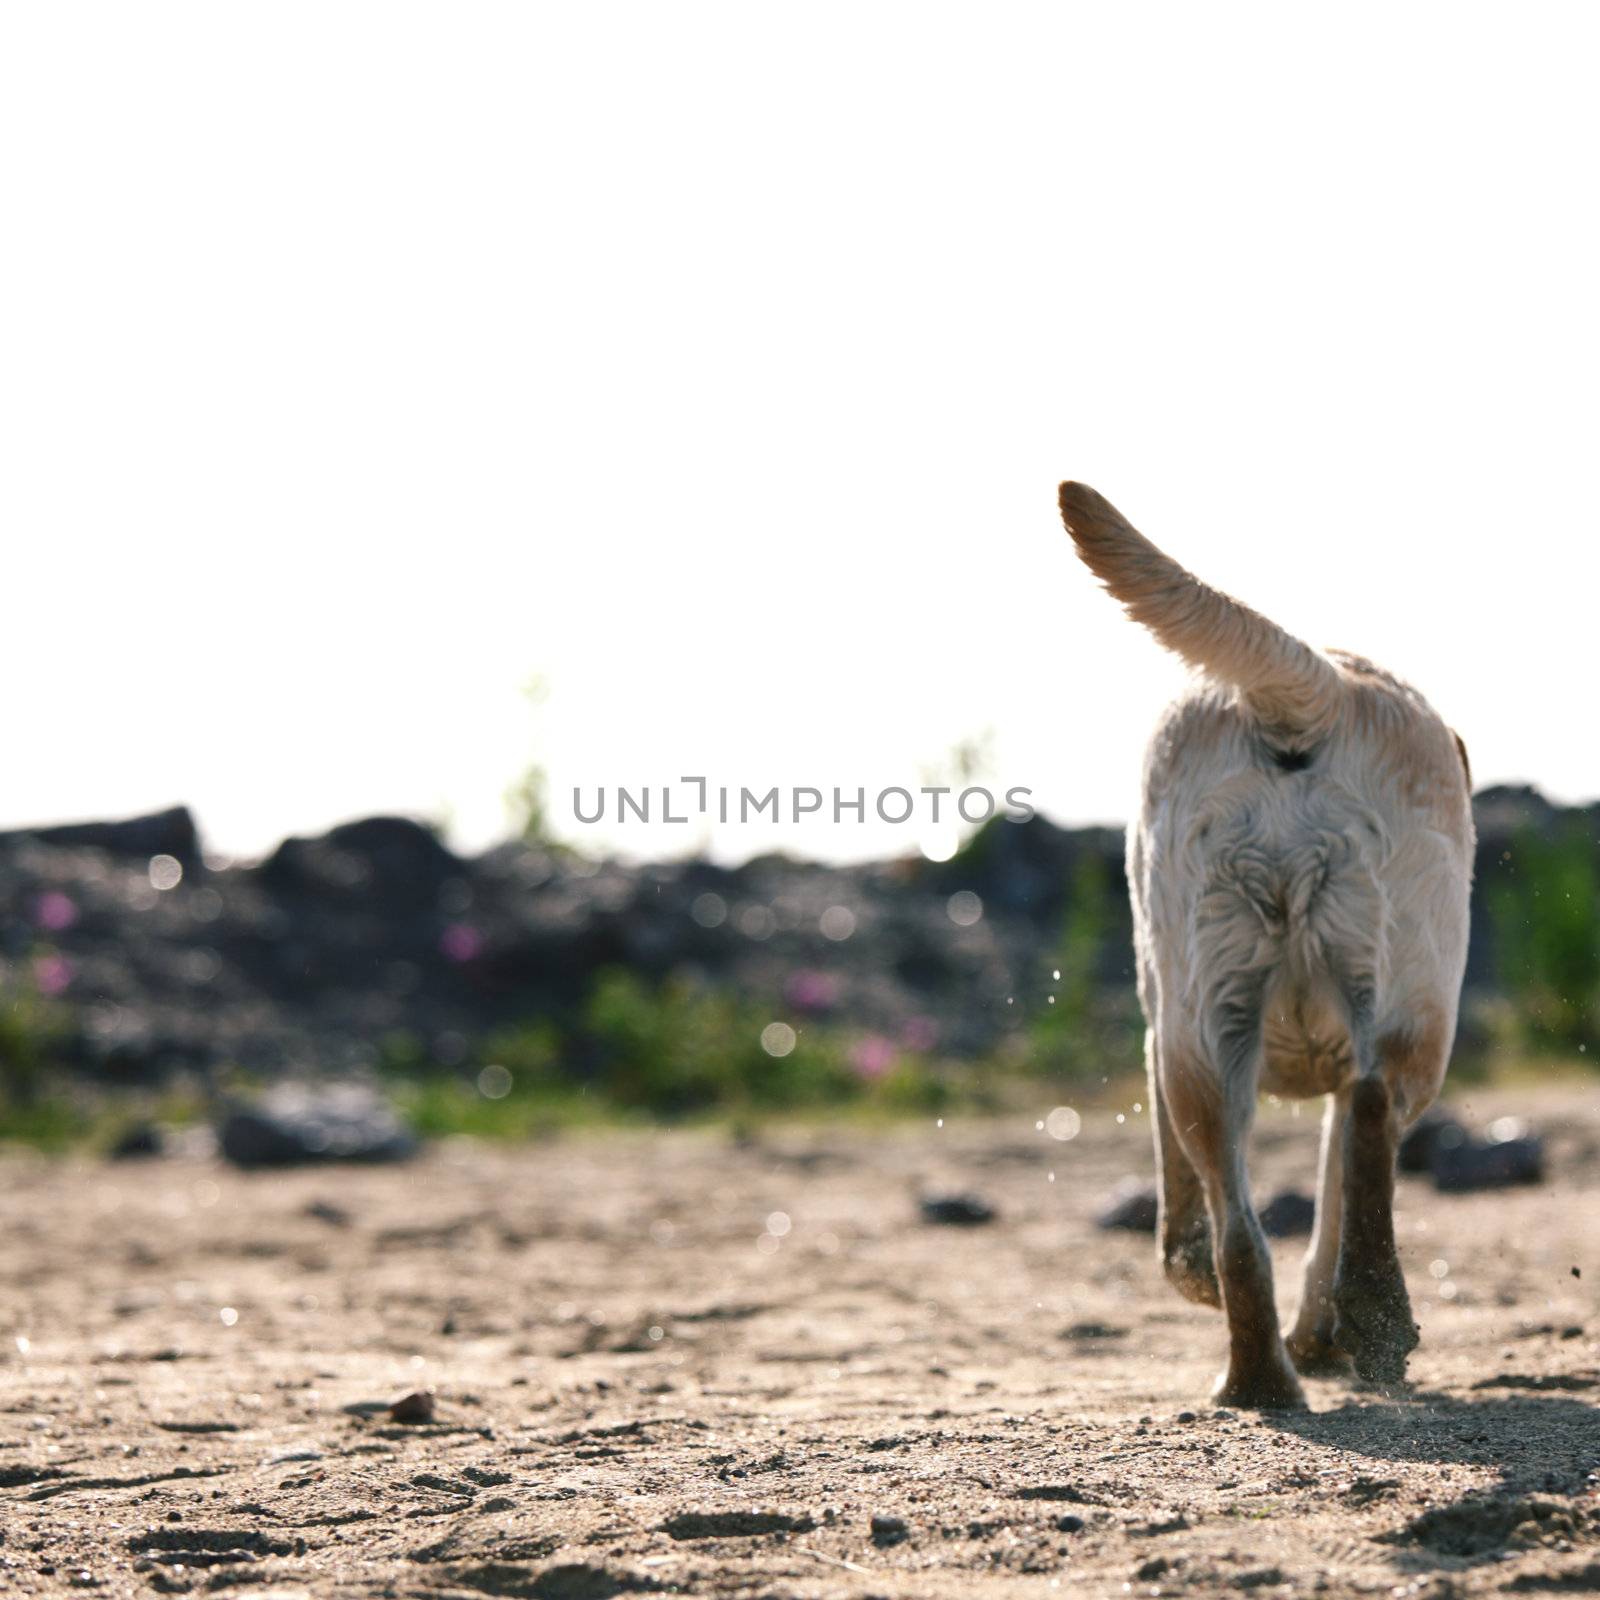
<point x="718" y="362"/>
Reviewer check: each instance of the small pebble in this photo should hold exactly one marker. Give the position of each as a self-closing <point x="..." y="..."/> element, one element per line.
<point x="889" y="1530"/>
<point x="956" y="1210"/>
<point x="414" y="1407"/>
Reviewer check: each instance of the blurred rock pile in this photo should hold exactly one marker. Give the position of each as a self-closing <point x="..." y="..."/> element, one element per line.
<point x="307" y="961"/>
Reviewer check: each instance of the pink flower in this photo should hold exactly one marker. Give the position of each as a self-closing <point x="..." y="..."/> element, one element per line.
<point x="461" y="942"/>
<point x="55" y="911"/>
<point x="51" y="974"/>
<point x="811" y="991"/>
<point x="873" y="1055"/>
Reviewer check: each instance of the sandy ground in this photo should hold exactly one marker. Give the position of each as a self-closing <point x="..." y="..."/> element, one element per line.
<point x="682" y="1365"/>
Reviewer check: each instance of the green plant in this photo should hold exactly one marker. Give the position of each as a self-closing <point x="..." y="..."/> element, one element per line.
<point x="31" y="1032"/>
<point x="664" y="1052"/>
<point x="1082" y="1028"/>
<point x="1544" y="907"/>
<point x="527" y="798"/>
<point x="46" y="1122"/>
<point x="682" y="1048"/>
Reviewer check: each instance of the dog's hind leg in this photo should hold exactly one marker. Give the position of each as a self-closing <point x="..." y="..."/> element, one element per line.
<point x="1372" y="1312"/>
<point x="1182" y="1225"/>
<point x="1310" y="1342"/>
<point x="1212" y="1113"/>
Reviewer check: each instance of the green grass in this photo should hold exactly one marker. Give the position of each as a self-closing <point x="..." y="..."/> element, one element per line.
<point x="1544" y="906"/>
<point x="680" y="1052"/>
<point x="683" y="1053"/>
<point x="91" y="1118"/>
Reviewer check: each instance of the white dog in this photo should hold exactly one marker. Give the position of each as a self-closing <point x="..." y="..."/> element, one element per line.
<point x="1300" y="871"/>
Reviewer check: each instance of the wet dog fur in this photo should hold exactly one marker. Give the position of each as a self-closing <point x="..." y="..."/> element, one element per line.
<point x="1300" y="869"/>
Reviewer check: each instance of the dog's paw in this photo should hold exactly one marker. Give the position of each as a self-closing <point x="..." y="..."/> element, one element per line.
<point x="1262" y="1386"/>
<point x="1372" y="1323"/>
<point x="1192" y="1270"/>
<point x="1316" y="1357"/>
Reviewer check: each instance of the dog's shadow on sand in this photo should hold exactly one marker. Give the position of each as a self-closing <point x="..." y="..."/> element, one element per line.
<point x="1532" y="1442"/>
<point x="1543" y="1451"/>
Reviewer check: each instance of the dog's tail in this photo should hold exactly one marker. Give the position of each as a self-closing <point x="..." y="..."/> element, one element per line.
<point x="1286" y="684"/>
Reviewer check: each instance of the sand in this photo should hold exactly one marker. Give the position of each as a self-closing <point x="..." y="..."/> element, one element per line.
<point x="686" y="1364"/>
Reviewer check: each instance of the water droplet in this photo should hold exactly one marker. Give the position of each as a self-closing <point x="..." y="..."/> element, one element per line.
<point x="964" y="908"/>
<point x="166" y="872"/>
<point x="1063" y="1123"/>
<point x="778" y="1038"/>
<point x="709" y="910"/>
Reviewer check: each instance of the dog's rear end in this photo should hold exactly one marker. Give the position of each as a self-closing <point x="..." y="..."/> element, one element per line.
<point x="1300" y="870"/>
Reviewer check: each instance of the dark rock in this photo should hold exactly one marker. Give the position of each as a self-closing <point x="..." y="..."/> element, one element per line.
<point x="1466" y="1164"/>
<point x="1262" y="1578"/>
<point x="1069" y="1524"/>
<point x="383" y="860"/>
<point x="1033" y="867"/>
<point x="162" y="833"/>
<point x="1093" y="1330"/>
<point x="1131" y="1209"/>
<point x="1417" y="1147"/>
<point x="889" y="1530"/>
<point x="376" y="939"/>
<point x="734" y="1524"/>
<point x="1174" y="1524"/>
<point x="956" y="1210"/>
<point x="1288" y="1215"/>
<point x="1458" y="1161"/>
<point x="414" y="1408"/>
<point x="296" y="1123"/>
<point x="138" y="1141"/>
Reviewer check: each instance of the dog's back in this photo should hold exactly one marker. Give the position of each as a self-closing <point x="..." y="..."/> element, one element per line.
<point x="1305" y="836"/>
<point x="1287" y="890"/>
